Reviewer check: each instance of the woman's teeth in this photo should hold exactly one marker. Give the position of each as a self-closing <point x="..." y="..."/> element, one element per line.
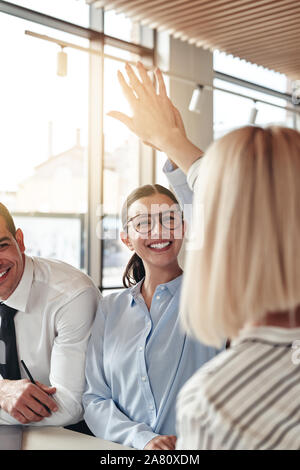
<point x="159" y="245"/>
<point x="4" y="272"/>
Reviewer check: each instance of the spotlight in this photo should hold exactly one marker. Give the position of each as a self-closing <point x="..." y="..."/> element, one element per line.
<point x="253" y="114"/>
<point x="62" y="63"/>
<point x="196" y="102"/>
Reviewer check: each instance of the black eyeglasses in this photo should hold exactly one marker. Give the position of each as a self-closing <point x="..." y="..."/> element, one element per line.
<point x="145" y="223"/>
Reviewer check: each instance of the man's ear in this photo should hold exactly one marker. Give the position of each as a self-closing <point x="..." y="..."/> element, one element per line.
<point x="126" y="240"/>
<point x="19" y="236"/>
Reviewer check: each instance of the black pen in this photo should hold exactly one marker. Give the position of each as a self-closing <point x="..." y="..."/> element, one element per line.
<point x="33" y="382"/>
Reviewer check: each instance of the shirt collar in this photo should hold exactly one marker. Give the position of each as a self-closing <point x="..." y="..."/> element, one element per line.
<point x="19" y="298"/>
<point x="172" y="286"/>
<point x="272" y="334"/>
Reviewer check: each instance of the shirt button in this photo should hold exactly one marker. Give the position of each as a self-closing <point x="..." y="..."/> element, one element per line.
<point x="158" y="297"/>
<point x="151" y="407"/>
<point x="162" y="287"/>
<point x="144" y="378"/>
<point x="140" y="349"/>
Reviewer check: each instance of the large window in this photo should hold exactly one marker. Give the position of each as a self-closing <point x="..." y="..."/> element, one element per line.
<point x="73" y="11"/>
<point x="56" y="139"/>
<point x="43" y="147"/>
<point x="232" y="110"/>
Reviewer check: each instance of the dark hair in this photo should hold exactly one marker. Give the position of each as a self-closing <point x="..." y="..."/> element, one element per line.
<point x="4" y="212"/>
<point x="135" y="270"/>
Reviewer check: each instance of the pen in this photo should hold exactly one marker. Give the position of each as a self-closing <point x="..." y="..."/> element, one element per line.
<point x="32" y="381"/>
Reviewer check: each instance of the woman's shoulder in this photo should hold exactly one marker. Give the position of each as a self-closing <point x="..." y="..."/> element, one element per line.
<point x="115" y="301"/>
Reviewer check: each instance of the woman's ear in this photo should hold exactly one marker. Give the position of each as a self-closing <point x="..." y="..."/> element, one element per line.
<point x="126" y="240"/>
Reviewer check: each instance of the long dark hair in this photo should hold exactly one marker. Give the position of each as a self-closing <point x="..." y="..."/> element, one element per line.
<point x="135" y="270"/>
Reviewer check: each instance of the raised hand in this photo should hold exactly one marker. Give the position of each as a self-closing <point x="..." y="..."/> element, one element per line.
<point x="155" y="120"/>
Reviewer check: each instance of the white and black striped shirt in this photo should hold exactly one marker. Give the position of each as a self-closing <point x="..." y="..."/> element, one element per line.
<point x="248" y="397"/>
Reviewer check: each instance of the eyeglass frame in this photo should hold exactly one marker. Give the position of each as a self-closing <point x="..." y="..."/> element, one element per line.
<point x="159" y="214"/>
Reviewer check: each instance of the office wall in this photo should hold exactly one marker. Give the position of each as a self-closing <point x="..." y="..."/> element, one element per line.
<point x="194" y="64"/>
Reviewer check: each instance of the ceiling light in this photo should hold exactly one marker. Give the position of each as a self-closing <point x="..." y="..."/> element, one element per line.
<point x="253" y="113"/>
<point x="196" y="101"/>
<point x="62" y="63"/>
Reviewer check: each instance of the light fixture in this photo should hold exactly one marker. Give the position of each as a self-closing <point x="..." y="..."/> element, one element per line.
<point x="253" y="113"/>
<point x="62" y="63"/>
<point x="196" y="101"/>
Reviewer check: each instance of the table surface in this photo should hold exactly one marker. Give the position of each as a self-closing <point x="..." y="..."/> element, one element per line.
<point x="58" y="438"/>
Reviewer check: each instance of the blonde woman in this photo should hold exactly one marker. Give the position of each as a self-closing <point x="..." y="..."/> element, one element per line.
<point x="243" y="283"/>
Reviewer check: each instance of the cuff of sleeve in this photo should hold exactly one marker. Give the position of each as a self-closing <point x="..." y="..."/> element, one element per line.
<point x="192" y="174"/>
<point x="176" y="177"/>
<point x="142" y="438"/>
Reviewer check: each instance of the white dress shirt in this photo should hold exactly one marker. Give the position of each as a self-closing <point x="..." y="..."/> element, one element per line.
<point x="56" y="305"/>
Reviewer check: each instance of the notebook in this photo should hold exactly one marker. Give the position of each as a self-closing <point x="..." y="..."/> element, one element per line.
<point x="11" y="437"/>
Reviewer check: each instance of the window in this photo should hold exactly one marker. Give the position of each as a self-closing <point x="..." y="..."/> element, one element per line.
<point x="55" y="170"/>
<point x="231" y="110"/>
<point x="43" y="147"/>
<point x="120" y="176"/>
<point x="73" y="11"/>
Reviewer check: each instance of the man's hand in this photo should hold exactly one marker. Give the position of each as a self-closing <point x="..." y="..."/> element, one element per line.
<point x="155" y="120"/>
<point x="161" y="443"/>
<point x="25" y="401"/>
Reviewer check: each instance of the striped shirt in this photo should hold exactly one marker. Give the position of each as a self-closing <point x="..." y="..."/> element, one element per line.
<point x="247" y="397"/>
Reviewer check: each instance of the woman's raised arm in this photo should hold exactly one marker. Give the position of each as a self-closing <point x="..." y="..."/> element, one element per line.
<point x="155" y="120"/>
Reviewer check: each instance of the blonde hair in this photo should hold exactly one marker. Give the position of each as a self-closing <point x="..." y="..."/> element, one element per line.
<point x="249" y="264"/>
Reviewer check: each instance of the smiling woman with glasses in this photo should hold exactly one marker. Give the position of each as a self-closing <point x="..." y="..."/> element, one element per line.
<point x="138" y="357"/>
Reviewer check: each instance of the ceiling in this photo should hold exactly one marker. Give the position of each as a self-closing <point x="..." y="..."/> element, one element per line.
<point x="264" y="32"/>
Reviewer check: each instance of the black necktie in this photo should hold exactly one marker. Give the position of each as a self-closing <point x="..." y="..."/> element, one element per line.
<point x="9" y="364"/>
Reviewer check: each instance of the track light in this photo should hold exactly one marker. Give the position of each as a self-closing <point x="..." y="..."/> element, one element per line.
<point x="196" y="102"/>
<point x="62" y="63"/>
<point x="253" y="113"/>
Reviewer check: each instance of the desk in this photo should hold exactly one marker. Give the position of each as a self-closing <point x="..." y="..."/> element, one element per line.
<point x="56" y="438"/>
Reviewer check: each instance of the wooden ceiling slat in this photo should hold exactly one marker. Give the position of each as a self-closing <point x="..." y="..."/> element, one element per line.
<point x="280" y="50"/>
<point x="236" y="25"/>
<point x="211" y="19"/>
<point x="293" y="45"/>
<point x="261" y="31"/>
<point x="163" y="10"/>
<point x="223" y="12"/>
<point x="148" y="8"/>
<point x="284" y="62"/>
<point x="265" y="32"/>
<point x="281" y="25"/>
<point x="163" y="14"/>
<point x="249" y="46"/>
<point x="204" y="10"/>
<point x="257" y="38"/>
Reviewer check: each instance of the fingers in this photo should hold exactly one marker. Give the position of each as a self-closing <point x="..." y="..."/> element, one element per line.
<point x="129" y="95"/>
<point x="178" y="120"/>
<point x="121" y="117"/>
<point x="45" y="388"/>
<point x="161" y="84"/>
<point x="162" y="443"/>
<point x="136" y="85"/>
<point x="42" y="398"/>
<point x="31" y="415"/>
<point x="146" y="80"/>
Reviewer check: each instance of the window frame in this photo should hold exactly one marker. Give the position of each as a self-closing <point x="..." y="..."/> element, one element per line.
<point x="97" y="41"/>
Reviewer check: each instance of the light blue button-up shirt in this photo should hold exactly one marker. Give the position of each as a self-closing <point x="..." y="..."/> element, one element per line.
<point x="137" y="361"/>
